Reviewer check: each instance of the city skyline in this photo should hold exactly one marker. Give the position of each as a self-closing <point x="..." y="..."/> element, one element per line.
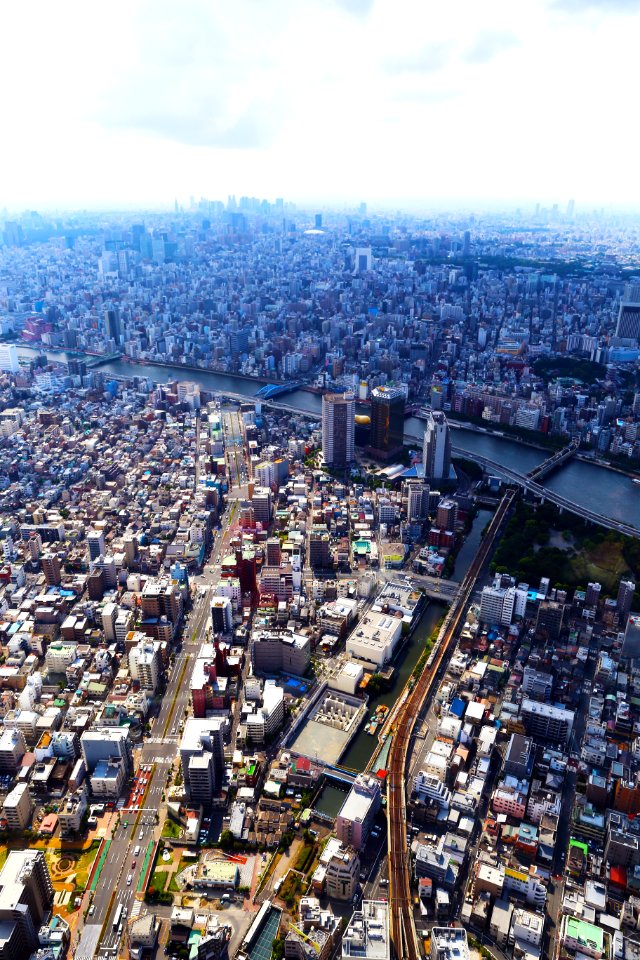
<point x="326" y="102"/>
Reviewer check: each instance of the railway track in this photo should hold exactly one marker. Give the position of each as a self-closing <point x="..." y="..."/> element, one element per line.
<point x="403" y="931"/>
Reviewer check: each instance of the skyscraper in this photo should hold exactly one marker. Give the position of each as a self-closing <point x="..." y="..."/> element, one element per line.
<point x="9" y="357"/>
<point x="387" y="421"/>
<point x="112" y="325"/>
<point x="628" y="327"/>
<point x="338" y="429"/>
<point x="436" y="449"/>
<point x="26" y="897"/>
<point x="626" y="591"/>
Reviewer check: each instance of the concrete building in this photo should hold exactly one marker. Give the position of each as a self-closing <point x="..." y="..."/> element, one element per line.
<point x="367" y="934"/>
<point x="436" y="448"/>
<point x="275" y="652"/>
<point x="202" y="757"/>
<point x="338" y="429"/>
<point x="13" y="747"/>
<point x="449" y="943"/>
<point x="106" y="743"/>
<point x="545" y="722"/>
<point x="26" y="897"/>
<point x="263" y="724"/>
<point x="221" y="615"/>
<point x="356" y="816"/>
<point x="107" y="778"/>
<point x="18" y="807"/>
<point x="9" y="358"/>
<point x="72" y="810"/>
<point x="145" y="664"/>
<point x="375" y="637"/>
<point x="342" y="874"/>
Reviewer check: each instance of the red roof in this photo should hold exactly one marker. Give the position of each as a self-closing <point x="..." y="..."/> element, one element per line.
<point x="618" y="875"/>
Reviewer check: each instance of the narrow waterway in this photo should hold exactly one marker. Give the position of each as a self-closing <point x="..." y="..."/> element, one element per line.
<point x="362" y="746"/>
<point x="470" y="546"/>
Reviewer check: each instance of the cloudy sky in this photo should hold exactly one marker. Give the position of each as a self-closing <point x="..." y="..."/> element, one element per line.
<point x="397" y="102"/>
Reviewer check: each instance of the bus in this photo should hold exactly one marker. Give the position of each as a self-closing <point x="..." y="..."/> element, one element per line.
<point x="118" y="916"/>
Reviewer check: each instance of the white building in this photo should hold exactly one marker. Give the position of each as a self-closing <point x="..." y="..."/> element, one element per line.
<point x="367" y="934"/>
<point x="72" y="810"/>
<point x="144" y="664"/>
<point x="202" y="757"/>
<point x="375" y="637"/>
<point x="429" y="787"/>
<point x="9" y="357"/>
<point x="18" y="807"/>
<point x="267" y="719"/>
<point x="449" y="943"/>
<point x="356" y="816"/>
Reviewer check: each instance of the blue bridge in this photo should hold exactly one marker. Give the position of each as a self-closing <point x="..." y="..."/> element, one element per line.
<point x="271" y="390"/>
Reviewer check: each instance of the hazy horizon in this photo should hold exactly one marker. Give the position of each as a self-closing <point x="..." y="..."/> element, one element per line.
<point x="398" y="103"/>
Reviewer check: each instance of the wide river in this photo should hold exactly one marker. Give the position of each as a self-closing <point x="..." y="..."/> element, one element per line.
<point x="586" y="484"/>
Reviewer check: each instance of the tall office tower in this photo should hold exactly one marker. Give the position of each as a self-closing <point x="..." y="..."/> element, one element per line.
<point x="26" y="897"/>
<point x="363" y="260"/>
<point x="96" y="544"/>
<point x="338" y="429"/>
<point x="631" y="642"/>
<point x="387" y="421"/>
<point x="112" y="325"/>
<point x="628" y="327"/>
<point x="466" y="244"/>
<point x="626" y="591"/>
<point x="318" y="221"/>
<point x="436" y="448"/>
<point x="9" y="357"/>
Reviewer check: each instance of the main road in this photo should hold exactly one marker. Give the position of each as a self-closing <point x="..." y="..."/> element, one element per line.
<point x="403" y="932"/>
<point x="139" y="827"/>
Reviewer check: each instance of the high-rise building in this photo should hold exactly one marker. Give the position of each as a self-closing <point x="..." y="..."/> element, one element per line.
<point x="202" y="757"/>
<point x="626" y="591"/>
<point x="112" y="325"/>
<point x="631" y="642"/>
<point x="96" y="544"/>
<point x="144" y="664"/>
<point x="52" y="569"/>
<point x="387" y="421"/>
<point x="357" y="813"/>
<point x="338" y="429"/>
<point x="26" y="897"/>
<point x="9" y="357"/>
<point x="628" y="326"/>
<point x="436" y="449"/>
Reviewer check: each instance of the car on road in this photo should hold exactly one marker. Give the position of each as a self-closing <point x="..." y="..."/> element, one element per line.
<point x="141" y="835"/>
<point x="92" y="909"/>
<point x="129" y="879"/>
<point x="133" y="864"/>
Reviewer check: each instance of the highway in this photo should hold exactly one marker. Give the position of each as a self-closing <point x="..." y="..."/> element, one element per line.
<point x="403" y="932"/>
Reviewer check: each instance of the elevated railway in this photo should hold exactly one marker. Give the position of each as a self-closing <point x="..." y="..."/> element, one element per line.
<point x="403" y="932"/>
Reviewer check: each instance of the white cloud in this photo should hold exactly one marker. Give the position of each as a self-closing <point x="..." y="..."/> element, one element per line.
<point x="337" y="100"/>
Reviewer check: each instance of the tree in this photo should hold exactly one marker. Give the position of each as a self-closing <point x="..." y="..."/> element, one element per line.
<point x="227" y="840"/>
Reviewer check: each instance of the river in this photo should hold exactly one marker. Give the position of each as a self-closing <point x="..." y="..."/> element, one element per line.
<point x="588" y="485"/>
<point x="596" y="488"/>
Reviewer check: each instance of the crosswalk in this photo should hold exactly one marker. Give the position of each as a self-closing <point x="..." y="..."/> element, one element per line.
<point x="169" y="740"/>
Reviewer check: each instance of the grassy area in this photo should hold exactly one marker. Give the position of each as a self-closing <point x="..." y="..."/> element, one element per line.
<point x="4" y="853"/>
<point x="305" y="855"/>
<point x="159" y="879"/>
<point x="171" y="829"/>
<point x="64" y="864"/>
<point x="291" y="891"/>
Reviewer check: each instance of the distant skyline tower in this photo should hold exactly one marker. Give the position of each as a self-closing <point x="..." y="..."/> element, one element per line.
<point x="318" y="221"/>
<point x="571" y="206"/>
<point x="628" y="326"/>
<point x="436" y="449"/>
<point x="338" y="429"/>
<point x="466" y="244"/>
<point x="387" y="421"/>
<point x="112" y="325"/>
